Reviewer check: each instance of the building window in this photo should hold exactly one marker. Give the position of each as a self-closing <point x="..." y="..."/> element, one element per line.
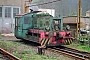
<point x="15" y="11"/>
<point x="0" y="11"/>
<point x="7" y="12"/>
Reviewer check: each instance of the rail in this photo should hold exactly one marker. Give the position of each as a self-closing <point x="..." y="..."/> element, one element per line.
<point x="9" y="55"/>
<point x="72" y="53"/>
<point x="76" y="54"/>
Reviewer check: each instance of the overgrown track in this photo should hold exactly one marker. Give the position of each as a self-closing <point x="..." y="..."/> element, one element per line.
<point x="76" y="54"/>
<point x="7" y="54"/>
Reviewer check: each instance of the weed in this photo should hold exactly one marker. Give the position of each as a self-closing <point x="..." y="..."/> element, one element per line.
<point x="80" y="47"/>
<point x="85" y="48"/>
<point x="1" y="59"/>
<point x="30" y="51"/>
<point x="44" y="57"/>
<point x="16" y="54"/>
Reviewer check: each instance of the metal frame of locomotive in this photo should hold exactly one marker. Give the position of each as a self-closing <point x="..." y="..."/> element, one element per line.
<point x="42" y="28"/>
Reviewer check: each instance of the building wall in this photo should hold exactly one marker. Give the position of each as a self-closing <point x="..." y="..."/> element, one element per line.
<point x="88" y="14"/>
<point x="86" y="22"/>
<point x="69" y="19"/>
<point x="19" y="3"/>
<point x="72" y="20"/>
<point x="7" y="23"/>
<point x="0" y="24"/>
<point x="7" y="18"/>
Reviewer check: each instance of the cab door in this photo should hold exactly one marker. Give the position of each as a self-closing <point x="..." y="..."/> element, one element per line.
<point x="17" y="27"/>
<point x="27" y="24"/>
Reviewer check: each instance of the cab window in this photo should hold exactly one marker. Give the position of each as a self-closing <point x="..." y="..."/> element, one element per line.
<point x="56" y="24"/>
<point x="40" y="23"/>
<point x="47" y="23"/>
<point x="26" y="20"/>
<point x="17" y="21"/>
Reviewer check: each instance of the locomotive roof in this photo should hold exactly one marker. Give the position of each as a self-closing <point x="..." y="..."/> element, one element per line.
<point x="28" y="13"/>
<point x="39" y="13"/>
<point x="19" y="15"/>
<point x="35" y="11"/>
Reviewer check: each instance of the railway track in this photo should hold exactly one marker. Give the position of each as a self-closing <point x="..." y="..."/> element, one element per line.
<point x="2" y="57"/>
<point x="73" y="53"/>
<point x="7" y="56"/>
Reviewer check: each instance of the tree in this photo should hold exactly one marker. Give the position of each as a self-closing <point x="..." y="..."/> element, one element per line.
<point x="73" y="14"/>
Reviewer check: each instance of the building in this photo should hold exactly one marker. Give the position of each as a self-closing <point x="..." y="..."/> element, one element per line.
<point x="8" y="10"/>
<point x="72" y="21"/>
<point x="88" y="13"/>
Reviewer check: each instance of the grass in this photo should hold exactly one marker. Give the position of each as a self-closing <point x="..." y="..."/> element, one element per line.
<point x="21" y="51"/>
<point x="84" y="48"/>
<point x="10" y="46"/>
<point x="80" y="47"/>
<point x="29" y="54"/>
<point x="25" y="55"/>
<point x="1" y="59"/>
